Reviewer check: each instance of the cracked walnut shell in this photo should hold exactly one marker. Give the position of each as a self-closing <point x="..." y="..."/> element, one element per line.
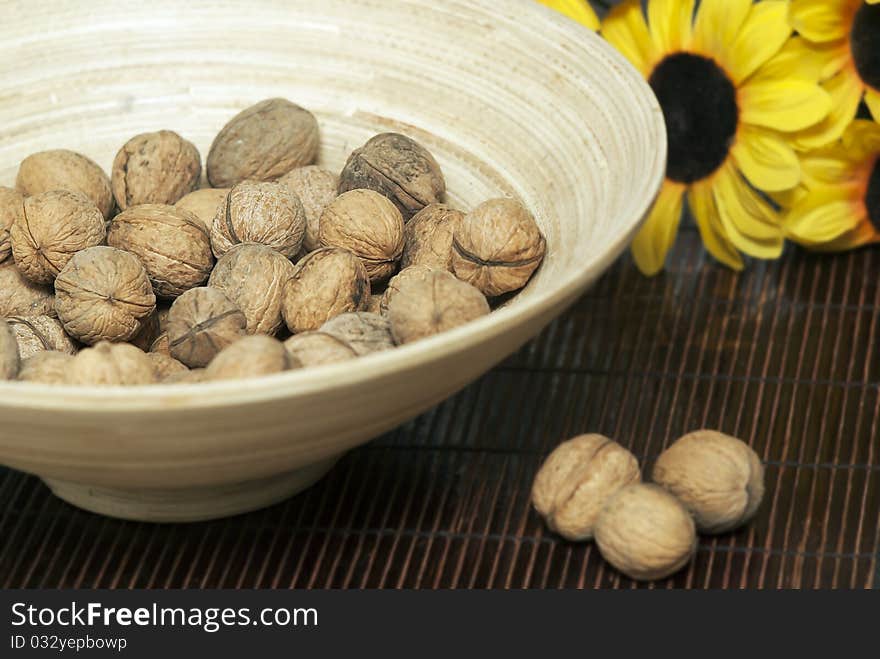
<point x="428" y="237"/>
<point x="20" y="297"/>
<point x="201" y="323"/>
<point x="577" y="479"/>
<point x="249" y="357"/>
<point x="47" y="367"/>
<point x="40" y="333"/>
<point x="111" y="364"/>
<point x="363" y="332"/>
<point x="10" y="360"/>
<point x="103" y="294"/>
<point x="60" y="169"/>
<point x="11" y="206"/>
<point x="316" y="348"/>
<point x="315" y="188"/>
<point x="718" y="478"/>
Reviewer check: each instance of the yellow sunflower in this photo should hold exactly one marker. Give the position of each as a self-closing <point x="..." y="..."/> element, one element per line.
<point x="579" y="10"/>
<point x="733" y="90"/>
<point x="844" y="40"/>
<point x="839" y="208"/>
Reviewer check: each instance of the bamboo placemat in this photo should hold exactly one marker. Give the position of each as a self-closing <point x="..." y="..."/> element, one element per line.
<point x="785" y="355"/>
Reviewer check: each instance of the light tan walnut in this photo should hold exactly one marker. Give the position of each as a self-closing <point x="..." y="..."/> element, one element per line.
<point x="47" y="367"/>
<point x="363" y="332"/>
<point x="316" y="188"/>
<point x="203" y="203"/>
<point x="428" y="237"/>
<point x="61" y="169"/>
<point x="250" y="357"/>
<point x="111" y="364"/>
<point x="11" y="207"/>
<point x="40" y="333"/>
<point x="10" y="360"/>
<point x="317" y="348"/>
<point x="21" y="297"/>
<point x="202" y="322"/>
<point x="165" y="366"/>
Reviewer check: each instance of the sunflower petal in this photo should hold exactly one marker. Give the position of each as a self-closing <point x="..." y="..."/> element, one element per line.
<point x="786" y="105"/>
<point x="670" y="22"/>
<point x="702" y="203"/>
<point x="766" y="159"/>
<point x="862" y="140"/>
<point x="750" y="222"/>
<point x="800" y="58"/>
<point x="654" y="240"/>
<point x="845" y="90"/>
<point x="820" y="20"/>
<point x="579" y="10"/>
<point x="717" y="24"/>
<point x="863" y="234"/>
<point x="872" y="100"/>
<point x="825" y="215"/>
<point x="625" y="28"/>
<point x="761" y="37"/>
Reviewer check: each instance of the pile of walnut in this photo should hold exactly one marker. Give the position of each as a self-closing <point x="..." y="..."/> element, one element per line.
<point x="142" y="278"/>
<point x="590" y="487"/>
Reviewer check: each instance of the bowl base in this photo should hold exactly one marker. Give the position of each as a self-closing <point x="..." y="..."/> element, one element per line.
<point x="189" y="504"/>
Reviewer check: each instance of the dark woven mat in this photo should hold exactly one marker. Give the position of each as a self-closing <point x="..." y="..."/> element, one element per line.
<point x="784" y="356"/>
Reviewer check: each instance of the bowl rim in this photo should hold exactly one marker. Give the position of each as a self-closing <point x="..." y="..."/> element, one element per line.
<point x="228" y="393"/>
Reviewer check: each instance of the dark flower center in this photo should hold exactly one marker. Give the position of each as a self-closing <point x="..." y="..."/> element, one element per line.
<point x="865" y="44"/>
<point x="872" y="199"/>
<point x="699" y="106"/>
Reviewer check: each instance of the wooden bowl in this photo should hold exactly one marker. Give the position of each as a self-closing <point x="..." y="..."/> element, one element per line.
<point x="510" y="97"/>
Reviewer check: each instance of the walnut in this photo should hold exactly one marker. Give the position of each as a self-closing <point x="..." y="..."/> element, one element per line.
<point x="253" y="278"/>
<point x="20" y="297"/>
<point x="103" y="294"/>
<point x="718" y="478"/>
<point x="173" y="245"/>
<point x="54" y="226"/>
<point x="427" y="239"/>
<point x="316" y="348"/>
<point x="374" y="303"/>
<point x="423" y="302"/>
<point x="577" y="479"/>
<point x="161" y="344"/>
<point x="39" y="333"/>
<point x="111" y="364"/>
<point x="47" y="367"/>
<point x="203" y="203"/>
<point x="250" y="357"/>
<point x="497" y="247"/>
<point x="65" y="170"/>
<point x="148" y="333"/>
<point x="397" y="167"/>
<point x="193" y="376"/>
<point x="645" y="532"/>
<point x="363" y="332"/>
<point x="155" y="168"/>
<point x="9" y="357"/>
<point x="201" y="323"/>
<point x="315" y="188"/>
<point x="262" y="143"/>
<point x="165" y="366"/>
<point x="367" y="224"/>
<point x="265" y="213"/>
<point x="326" y="283"/>
<point x="11" y="207"/>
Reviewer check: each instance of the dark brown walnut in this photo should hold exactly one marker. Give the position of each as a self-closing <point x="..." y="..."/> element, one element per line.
<point x="203" y="203"/>
<point x="250" y="357"/>
<point x="262" y="143"/>
<point x="258" y="212"/>
<point x="363" y="332"/>
<point x="172" y="243"/>
<point x="201" y="323"/>
<point x="10" y="360"/>
<point x="398" y="168"/>
<point x="315" y="188"/>
<point x="53" y="227"/>
<point x="253" y="278"/>
<point x="427" y="239"/>
<point x="368" y="225"/>
<point x="165" y="366"/>
<point x="11" y="207"/>
<point x="111" y="364"/>
<point x="328" y="282"/>
<point x="497" y="247"/>
<point x="431" y="302"/>
<point x="155" y="168"/>
<point x="103" y="294"/>
<point x="47" y="367"/>
<point x="60" y="169"/>
<point x="20" y="297"/>
<point x="317" y="348"/>
<point x="40" y="333"/>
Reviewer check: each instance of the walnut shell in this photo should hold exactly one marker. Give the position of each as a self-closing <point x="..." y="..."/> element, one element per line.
<point x="165" y="366"/>
<point x="149" y="332"/>
<point x="374" y="303"/>
<point x="10" y="360"/>
<point x="103" y="294"/>
<point x="40" y="333"/>
<point x="315" y="188"/>
<point x="20" y="297"/>
<point x="249" y="357"/>
<point x="645" y="532"/>
<point x="429" y="302"/>
<point x="173" y="245"/>
<point x="262" y="143"/>
<point x="265" y="213"/>
<point x="427" y="237"/>
<point x="368" y="225"/>
<point x="193" y="376"/>
<point x="577" y="479"/>
<point x="111" y="364"/>
<point x="203" y="203"/>
<point x="47" y="367"/>
<point x="316" y="348"/>
<point x="155" y="168"/>
<point x="253" y="278"/>
<point x="326" y="283"/>
<point x="11" y="207"/>
<point x="363" y="332"/>
<point x="161" y="344"/>
<point x="397" y="167"/>
<point x="60" y="169"/>
<point x="718" y="478"/>
<point x="54" y="226"/>
<point x="497" y="247"/>
<point x="202" y="322"/>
